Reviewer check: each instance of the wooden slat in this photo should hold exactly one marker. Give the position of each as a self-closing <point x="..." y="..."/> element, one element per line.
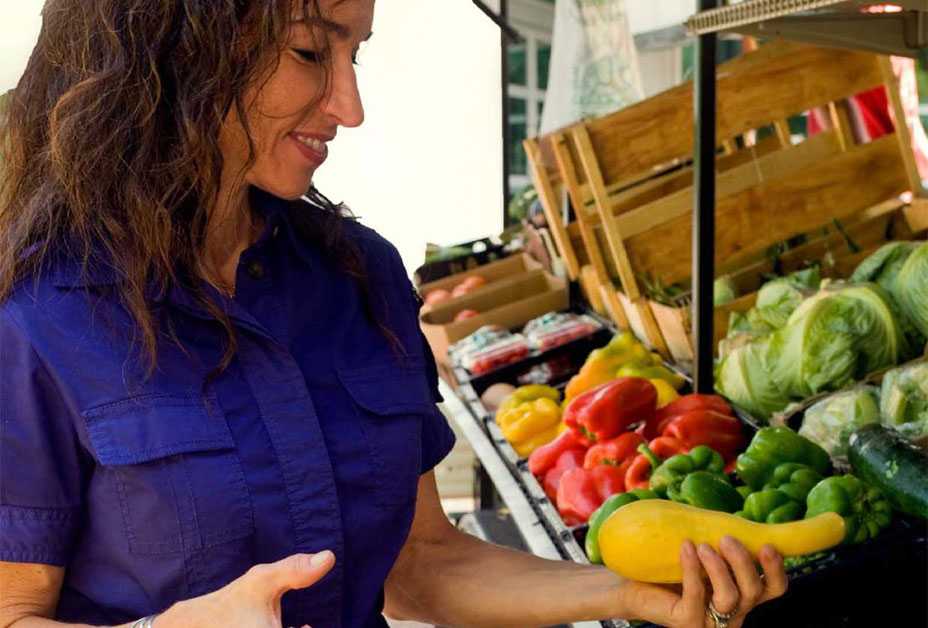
<point x="903" y="135"/>
<point x="773" y="211"/>
<point x="550" y="202"/>
<point x="779" y="80"/>
<point x="568" y="169"/>
<point x="669" y="183"/>
<point x="781" y="127"/>
<point x="773" y="166"/>
<point x="614" y="238"/>
<point x="840" y="116"/>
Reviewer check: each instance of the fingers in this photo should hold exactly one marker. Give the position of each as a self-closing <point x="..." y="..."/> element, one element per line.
<point x="750" y="585"/>
<point x="774" y="573"/>
<point x="294" y="572"/>
<point x="725" y="595"/>
<point x="693" y="599"/>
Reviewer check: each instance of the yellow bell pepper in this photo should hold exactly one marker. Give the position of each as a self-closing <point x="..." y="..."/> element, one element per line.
<point x="602" y="363"/>
<point x="530" y="418"/>
<point x="651" y="371"/>
<point x="665" y="392"/>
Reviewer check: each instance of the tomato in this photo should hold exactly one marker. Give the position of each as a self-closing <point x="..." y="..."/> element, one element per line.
<point x="463" y="315"/>
<point x="437" y="296"/>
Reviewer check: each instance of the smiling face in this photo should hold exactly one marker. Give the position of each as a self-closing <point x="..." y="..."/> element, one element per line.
<point x="296" y="107"/>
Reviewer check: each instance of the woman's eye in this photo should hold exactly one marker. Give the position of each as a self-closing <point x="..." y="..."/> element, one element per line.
<point x="310" y="56"/>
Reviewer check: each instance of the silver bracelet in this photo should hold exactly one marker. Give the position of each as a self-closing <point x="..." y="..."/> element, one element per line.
<point x="145" y="622"/>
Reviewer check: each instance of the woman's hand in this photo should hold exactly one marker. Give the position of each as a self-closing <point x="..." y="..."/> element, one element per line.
<point x="734" y="587"/>
<point x="252" y="601"/>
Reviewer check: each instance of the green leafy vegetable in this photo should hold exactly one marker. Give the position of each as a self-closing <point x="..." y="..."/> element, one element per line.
<point x="904" y="400"/>
<point x="901" y="269"/>
<point x="744" y="377"/>
<point x="830" y="422"/>
<point x="776" y="301"/>
<point x="724" y="291"/>
<point x="844" y="332"/>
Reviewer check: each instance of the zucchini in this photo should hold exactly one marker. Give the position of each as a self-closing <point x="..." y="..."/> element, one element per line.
<point x="882" y="457"/>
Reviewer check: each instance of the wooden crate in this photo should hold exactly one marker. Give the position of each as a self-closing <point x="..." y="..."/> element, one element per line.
<point x="509" y="302"/>
<point x="630" y="179"/>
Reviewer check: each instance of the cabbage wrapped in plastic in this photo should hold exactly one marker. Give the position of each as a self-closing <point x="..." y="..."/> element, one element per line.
<point x="744" y="377"/>
<point x="901" y="269"/>
<point x="776" y="301"/>
<point x="830" y="422"/>
<point x="904" y="400"/>
<point x="844" y="332"/>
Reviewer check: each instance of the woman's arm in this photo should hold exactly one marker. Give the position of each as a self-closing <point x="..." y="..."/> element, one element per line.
<point x="450" y="578"/>
<point x="29" y="595"/>
<point x="446" y="577"/>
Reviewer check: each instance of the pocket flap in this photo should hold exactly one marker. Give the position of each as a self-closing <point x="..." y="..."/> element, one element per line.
<point x="147" y="428"/>
<point x="386" y="390"/>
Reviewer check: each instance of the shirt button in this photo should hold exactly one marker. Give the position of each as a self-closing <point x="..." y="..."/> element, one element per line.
<point x="256" y="270"/>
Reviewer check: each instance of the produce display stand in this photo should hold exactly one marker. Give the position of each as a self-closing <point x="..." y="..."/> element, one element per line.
<point x="633" y="195"/>
<point x="630" y="177"/>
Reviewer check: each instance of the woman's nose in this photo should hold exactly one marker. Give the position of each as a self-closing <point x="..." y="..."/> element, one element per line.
<point x="344" y="102"/>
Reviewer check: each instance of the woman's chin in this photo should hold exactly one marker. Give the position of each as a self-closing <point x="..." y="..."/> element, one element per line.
<point x="289" y="191"/>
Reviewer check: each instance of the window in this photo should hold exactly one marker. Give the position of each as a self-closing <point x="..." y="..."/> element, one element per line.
<point x="529" y="65"/>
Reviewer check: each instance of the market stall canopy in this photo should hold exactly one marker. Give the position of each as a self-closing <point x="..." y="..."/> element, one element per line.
<point x="901" y="29"/>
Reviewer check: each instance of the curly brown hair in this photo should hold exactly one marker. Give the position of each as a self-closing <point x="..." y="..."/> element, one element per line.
<point x="110" y="150"/>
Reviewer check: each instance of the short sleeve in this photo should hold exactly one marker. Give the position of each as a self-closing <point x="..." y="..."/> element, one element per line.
<point x="40" y="458"/>
<point x="437" y="437"/>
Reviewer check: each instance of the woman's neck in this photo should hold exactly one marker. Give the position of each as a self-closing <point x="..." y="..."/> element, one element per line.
<point x="233" y="227"/>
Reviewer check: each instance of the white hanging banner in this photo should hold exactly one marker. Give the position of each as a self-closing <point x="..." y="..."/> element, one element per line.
<point x="594" y="64"/>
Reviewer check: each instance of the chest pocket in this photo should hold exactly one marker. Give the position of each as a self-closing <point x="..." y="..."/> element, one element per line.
<point x="392" y="403"/>
<point x="179" y="479"/>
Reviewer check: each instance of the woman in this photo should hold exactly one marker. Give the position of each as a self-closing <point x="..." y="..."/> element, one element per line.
<point x="215" y="403"/>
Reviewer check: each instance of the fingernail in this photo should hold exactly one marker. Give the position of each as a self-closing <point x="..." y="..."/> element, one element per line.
<point x="705" y="549"/>
<point x="320" y="559"/>
<point x="688" y="549"/>
<point x="727" y="540"/>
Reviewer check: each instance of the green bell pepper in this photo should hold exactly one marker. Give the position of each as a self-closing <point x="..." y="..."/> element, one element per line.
<point x="598" y="518"/>
<point x="672" y="471"/>
<point x="794" y="479"/>
<point x="865" y="509"/>
<point x="771" y="506"/>
<point x="744" y="491"/>
<point x="773" y="446"/>
<point x="706" y="489"/>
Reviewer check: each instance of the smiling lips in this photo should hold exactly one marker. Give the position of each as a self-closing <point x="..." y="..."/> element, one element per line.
<point x="312" y="147"/>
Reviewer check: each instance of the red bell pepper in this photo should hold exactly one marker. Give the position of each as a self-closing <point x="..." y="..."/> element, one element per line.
<point x="707" y="427"/>
<point x="546" y="456"/>
<point x="613" y="452"/>
<point x="609" y="409"/>
<point x="661" y="448"/>
<point x="570" y="459"/>
<point x="687" y="403"/>
<point x="577" y="497"/>
<point x="610" y="480"/>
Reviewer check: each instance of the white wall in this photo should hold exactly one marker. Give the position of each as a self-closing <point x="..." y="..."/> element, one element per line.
<point x="20" y="21"/>
<point x="427" y="164"/>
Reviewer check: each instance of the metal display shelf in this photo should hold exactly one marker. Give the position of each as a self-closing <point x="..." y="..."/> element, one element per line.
<point x="838" y="23"/>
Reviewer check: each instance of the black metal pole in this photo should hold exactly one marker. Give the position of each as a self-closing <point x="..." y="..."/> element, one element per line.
<point x="507" y="135"/>
<point x="704" y="214"/>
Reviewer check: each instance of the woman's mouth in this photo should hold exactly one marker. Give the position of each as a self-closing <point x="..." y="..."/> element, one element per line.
<point x="312" y="148"/>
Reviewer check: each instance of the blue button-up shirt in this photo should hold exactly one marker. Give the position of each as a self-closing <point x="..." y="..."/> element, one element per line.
<point x="151" y="491"/>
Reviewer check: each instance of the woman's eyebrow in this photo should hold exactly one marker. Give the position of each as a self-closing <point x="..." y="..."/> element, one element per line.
<point x="341" y="31"/>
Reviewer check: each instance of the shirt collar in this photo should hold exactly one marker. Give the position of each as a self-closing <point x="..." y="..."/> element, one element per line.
<point x="69" y="272"/>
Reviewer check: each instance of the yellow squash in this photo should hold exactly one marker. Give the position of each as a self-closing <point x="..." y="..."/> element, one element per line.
<point x="642" y="540"/>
